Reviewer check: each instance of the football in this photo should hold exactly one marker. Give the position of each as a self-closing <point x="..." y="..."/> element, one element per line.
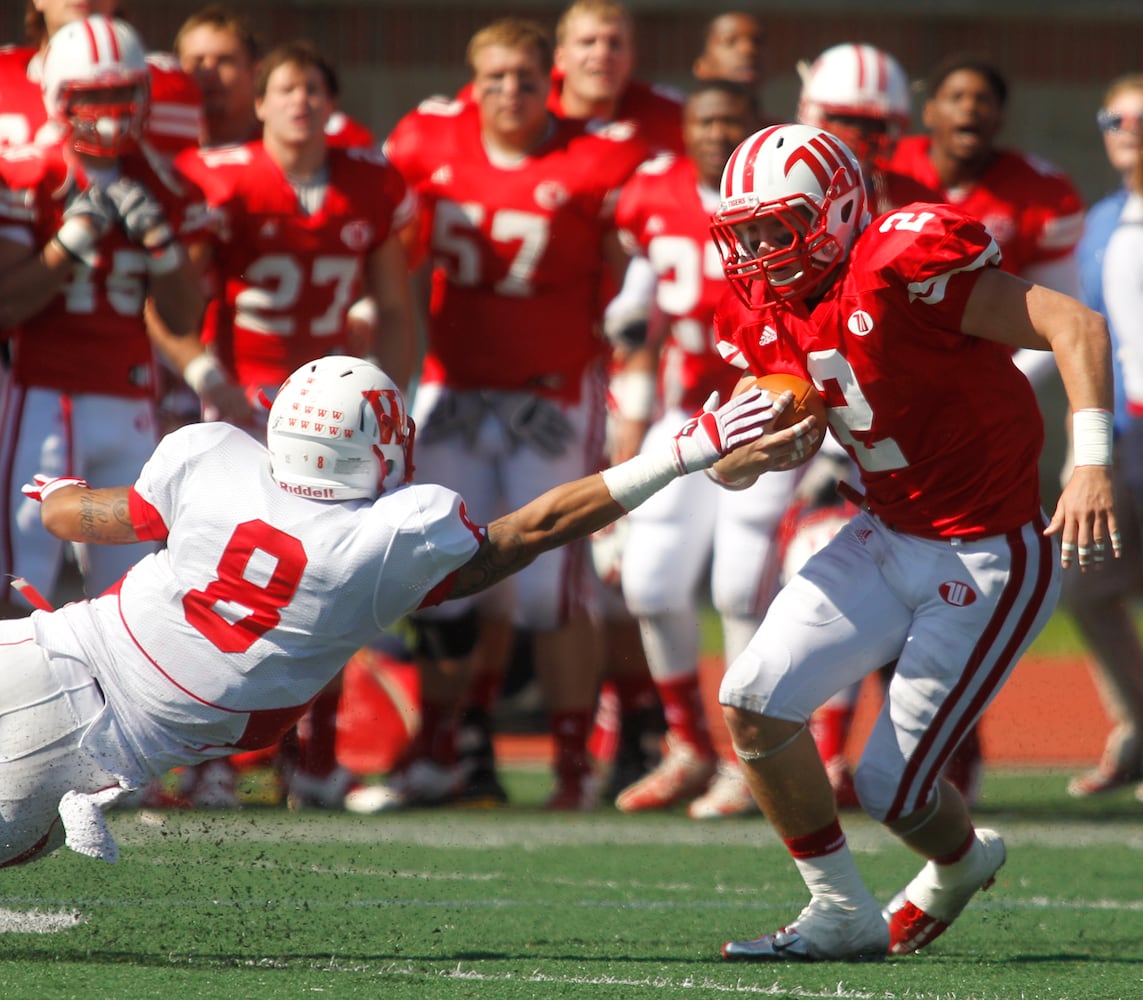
<point x="807" y="401"/>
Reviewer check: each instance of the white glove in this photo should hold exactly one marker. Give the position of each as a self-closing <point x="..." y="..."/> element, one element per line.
<point x="44" y="486"/>
<point x="140" y="214"/>
<point x="86" y="218"/>
<point x="704" y="439"/>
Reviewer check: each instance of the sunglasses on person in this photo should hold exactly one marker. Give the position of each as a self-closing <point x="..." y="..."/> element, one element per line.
<point x="1117" y="121"/>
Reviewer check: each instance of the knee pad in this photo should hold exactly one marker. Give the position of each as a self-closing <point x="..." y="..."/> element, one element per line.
<point x="446" y="638"/>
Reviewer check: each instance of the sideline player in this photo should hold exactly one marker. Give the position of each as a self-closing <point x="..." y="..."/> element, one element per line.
<point x="519" y="206"/>
<point x="92" y="233"/>
<point x="277" y="564"/>
<point x="904" y="323"/>
<point x="172" y="124"/>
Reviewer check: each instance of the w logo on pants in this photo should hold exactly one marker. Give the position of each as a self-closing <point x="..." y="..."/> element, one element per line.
<point x="958" y="594"/>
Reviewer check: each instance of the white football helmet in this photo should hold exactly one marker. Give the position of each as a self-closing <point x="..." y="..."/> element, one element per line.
<point x="793" y="202"/>
<point x="338" y="430"/>
<point x="857" y="82"/>
<point x="86" y="62"/>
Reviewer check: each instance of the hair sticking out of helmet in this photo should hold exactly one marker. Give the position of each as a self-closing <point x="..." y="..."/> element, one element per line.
<point x="859" y="93"/>
<point x="793" y="202"/>
<point x="338" y="430"/>
<point x="96" y="85"/>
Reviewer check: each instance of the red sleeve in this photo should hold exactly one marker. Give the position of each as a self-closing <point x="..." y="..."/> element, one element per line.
<point x="145" y="519"/>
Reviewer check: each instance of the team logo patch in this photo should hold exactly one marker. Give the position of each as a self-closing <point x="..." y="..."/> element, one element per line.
<point x="860" y="323"/>
<point x="862" y="535"/>
<point x="442" y="176"/>
<point x="356" y="235"/>
<point x="959" y="595"/>
<point x="550" y="195"/>
<point x="768" y="336"/>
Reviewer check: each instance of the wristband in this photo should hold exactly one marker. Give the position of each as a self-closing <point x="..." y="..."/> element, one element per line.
<point x="634" y="394"/>
<point x="203" y="373"/>
<point x="1091" y="437"/>
<point x="165" y="259"/>
<point x="641" y="477"/>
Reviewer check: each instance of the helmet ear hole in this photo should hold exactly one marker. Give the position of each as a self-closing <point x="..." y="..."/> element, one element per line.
<point x="847" y="211"/>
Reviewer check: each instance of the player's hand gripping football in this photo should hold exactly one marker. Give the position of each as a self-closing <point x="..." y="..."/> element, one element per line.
<point x="718" y="430"/>
<point x="780" y="448"/>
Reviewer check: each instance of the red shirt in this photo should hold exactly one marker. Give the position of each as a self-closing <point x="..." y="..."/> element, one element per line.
<point x="516" y="248"/>
<point x="658" y="111"/>
<point x="945" y="428"/>
<point x="1031" y="208"/>
<point x="287" y="279"/>
<point x="90" y="337"/>
<point x="662" y="215"/>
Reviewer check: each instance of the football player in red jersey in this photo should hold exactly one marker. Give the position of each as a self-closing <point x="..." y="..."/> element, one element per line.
<point x="1029" y="205"/>
<point x="93" y="232"/>
<point x="301" y="232"/>
<point x="906" y="325"/>
<point x="519" y="207"/>
<point x="594" y="60"/>
<point x="219" y="48"/>
<point x="664" y="217"/>
<point x="734" y="46"/>
<point x="173" y="120"/>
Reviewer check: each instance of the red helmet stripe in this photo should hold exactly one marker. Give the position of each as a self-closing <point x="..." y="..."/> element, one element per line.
<point x="113" y="38"/>
<point x="92" y="41"/>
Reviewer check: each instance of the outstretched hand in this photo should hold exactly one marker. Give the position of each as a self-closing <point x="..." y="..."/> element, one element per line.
<point x="718" y="430"/>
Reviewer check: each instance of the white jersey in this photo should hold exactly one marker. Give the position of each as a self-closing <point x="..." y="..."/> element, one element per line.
<point x="218" y="641"/>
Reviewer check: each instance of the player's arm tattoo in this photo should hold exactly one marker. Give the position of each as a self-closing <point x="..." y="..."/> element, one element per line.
<point x="502" y="554"/>
<point x="104" y="517"/>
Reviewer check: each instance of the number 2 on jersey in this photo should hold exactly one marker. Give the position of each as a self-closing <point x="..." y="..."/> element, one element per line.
<point x="263" y="602"/>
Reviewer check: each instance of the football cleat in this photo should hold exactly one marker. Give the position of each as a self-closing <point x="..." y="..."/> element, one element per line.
<point x="928" y="905"/>
<point x="423" y="783"/>
<point x="1099" y="781"/>
<point x="682" y="774"/>
<point x="309" y="791"/>
<point x="728" y="795"/>
<point x="823" y="932"/>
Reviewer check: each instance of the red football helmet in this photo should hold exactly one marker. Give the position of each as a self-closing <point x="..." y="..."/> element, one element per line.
<point x="861" y="95"/>
<point x="793" y="202"/>
<point x="96" y="85"/>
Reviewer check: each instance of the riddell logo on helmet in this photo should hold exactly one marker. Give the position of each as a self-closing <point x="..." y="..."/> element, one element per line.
<point x="316" y="492"/>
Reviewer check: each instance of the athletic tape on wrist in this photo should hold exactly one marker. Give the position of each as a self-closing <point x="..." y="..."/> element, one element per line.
<point x="76" y="238"/>
<point x="1091" y="437"/>
<point x="204" y="373"/>
<point x="641" y="477"/>
<point x="634" y="395"/>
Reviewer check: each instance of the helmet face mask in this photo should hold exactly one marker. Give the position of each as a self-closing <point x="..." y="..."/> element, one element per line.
<point x="793" y="202"/>
<point x="338" y="430"/>
<point x="96" y="85"/>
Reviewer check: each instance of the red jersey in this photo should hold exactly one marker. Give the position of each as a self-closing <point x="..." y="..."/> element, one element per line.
<point x="945" y="428"/>
<point x="90" y="337"/>
<point x="174" y="122"/>
<point x="664" y="214"/>
<point x="345" y="132"/>
<point x="658" y="111"/>
<point x="516" y="248"/>
<point x="286" y="279"/>
<point x="1031" y="208"/>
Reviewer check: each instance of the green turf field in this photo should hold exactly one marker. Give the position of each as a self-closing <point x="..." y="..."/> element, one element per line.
<point x="515" y="903"/>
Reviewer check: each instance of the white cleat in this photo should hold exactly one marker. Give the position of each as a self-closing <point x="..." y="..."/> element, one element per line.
<point x="682" y="774"/>
<point x="925" y="908"/>
<point x="823" y="932"/>
<point x="422" y="783"/>
<point x="728" y="796"/>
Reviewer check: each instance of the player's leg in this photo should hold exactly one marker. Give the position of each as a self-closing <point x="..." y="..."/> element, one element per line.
<point x="666" y="551"/>
<point x="35" y="429"/>
<point x="745" y="575"/>
<point x="964" y="642"/>
<point x="46" y="709"/>
<point x="831" y="625"/>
